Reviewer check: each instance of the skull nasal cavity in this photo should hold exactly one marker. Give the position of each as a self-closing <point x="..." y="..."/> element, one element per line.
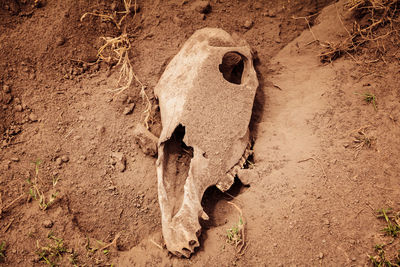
<point x="176" y="167"/>
<point x="232" y="67"/>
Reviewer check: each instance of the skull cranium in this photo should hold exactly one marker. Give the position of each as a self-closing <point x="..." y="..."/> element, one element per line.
<point x="206" y="97"/>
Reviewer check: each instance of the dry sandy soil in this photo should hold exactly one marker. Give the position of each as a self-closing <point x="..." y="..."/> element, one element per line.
<point x="315" y="189"/>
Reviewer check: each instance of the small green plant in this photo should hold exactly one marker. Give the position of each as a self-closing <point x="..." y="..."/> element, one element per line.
<point x="100" y="245"/>
<point x="36" y="193"/>
<point x="392" y="228"/>
<point x="2" y="251"/>
<point x="53" y="252"/>
<point x="236" y="235"/>
<point x="73" y="258"/>
<point x="381" y="260"/>
<point x="369" y="98"/>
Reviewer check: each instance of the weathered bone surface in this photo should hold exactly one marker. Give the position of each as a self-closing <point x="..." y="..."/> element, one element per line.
<point x="206" y="97"/>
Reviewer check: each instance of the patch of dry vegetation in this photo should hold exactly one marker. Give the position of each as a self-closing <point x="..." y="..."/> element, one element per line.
<point x="117" y="49"/>
<point x="370" y="16"/>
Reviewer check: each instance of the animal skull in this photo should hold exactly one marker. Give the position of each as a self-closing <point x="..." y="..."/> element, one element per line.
<point x="206" y="97"/>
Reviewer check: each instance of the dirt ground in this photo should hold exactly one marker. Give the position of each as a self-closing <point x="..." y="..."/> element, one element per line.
<point x="325" y="160"/>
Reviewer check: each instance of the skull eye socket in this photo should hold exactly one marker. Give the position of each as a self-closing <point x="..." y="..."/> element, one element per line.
<point x="232" y="67"/>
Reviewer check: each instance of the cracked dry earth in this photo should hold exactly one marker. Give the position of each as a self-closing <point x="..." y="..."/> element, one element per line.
<point x="314" y="192"/>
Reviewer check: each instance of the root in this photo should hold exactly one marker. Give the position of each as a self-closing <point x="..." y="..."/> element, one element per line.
<point x="116" y="49"/>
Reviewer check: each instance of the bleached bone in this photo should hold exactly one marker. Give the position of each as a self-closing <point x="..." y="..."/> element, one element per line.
<point x="206" y="97"/>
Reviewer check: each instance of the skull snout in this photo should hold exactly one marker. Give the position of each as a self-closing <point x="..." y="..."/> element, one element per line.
<point x="186" y="242"/>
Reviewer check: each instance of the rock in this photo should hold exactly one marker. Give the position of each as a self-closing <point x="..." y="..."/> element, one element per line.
<point x="59" y="161"/>
<point x="60" y="40"/>
<point x="258" y="5"/>
<point x="18" y="108"/>
<point x="271" y="13"/>
<point x="6" y="89"/>
<point x="32" y="117"/>
<point x="122" y="98"/>
<point x="8" y="98"/>
<point x="48" y="223"/>
<point x="248" y="24"/>
<point x="248" y="176"/>
<point x="101" y="130"/>
<point x="146" y="140"/>
<point x="120" y="164"/>
<point x="321" y="255"/>
<point x="129" y="109"/>
<point x="203" y="7"/>
<point x="65" y="158"/>
<point x="15" y="159"/>
<point x="17" y="101"/>
<point x="178" y="21"/>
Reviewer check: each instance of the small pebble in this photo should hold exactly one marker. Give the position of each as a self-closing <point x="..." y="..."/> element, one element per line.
<point x="202" y="6"/>
<point x="60" y="40"/>
<point x="59" y="161"/>
<point x="321" y="255"/>
<point x="6" y="89"/>
<point x="129" y="109"/>
<point x="101" y="130"/>
<point x="17" y="100"/>
<point x="8" y="98"/>
<point x="47" y="223"/>
<point x="65" y="158"/>
<point x="32" y="117"/>
<point x="18" y="108"/>
<point x="15" y="159"/>
<point x="122" y="98"/>
<point x="248" y="24"/>
<point x="271" y="13"/>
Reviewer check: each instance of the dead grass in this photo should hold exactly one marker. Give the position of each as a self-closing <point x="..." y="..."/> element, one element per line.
<point x="117" y="49"/>
<point x="362" y="140"/>
<point x="116" y="17"/>
<point x="370" y="15"/>
<point x="36" y="192"/>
